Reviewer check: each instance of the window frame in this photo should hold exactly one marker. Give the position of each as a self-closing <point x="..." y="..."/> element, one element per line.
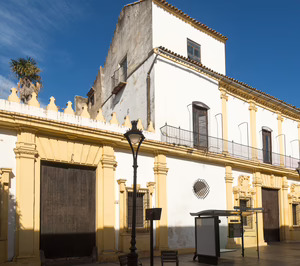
<point x="198" y="137"/>
<point x="146" y="205"/>
<point x="295" y="219"/>
<point x="124" y="70"/>
<point x="194" y="46"/>
<point x="267" y="154"/>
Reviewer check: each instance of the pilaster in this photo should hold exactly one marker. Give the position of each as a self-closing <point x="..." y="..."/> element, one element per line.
<point x="281" y="144"/>
<point x="229" y="192"/>
<point x="285" y="209"/>
<point x="26" y="234"/>
<point x="224" y="98"/>
<point x="229" y="204"/>
<point x="160" y="173"/>
<point x="5" y="175"/>
<point x="253" y="110"/>
<point x="257" y="183"/>
<point x="106" y="242"/>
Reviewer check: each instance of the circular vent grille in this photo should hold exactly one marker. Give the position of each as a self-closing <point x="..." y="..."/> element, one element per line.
<point x="201" y="189"/>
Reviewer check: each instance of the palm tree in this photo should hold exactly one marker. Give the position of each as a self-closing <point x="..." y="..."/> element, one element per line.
<point x="27" y="71"/>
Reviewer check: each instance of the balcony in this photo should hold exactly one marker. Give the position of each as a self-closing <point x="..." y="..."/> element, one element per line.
<point x="181" y="137"/>
<point x="119" y="79"/>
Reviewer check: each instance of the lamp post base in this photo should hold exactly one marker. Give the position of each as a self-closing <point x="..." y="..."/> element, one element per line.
<point x="132" y="259"/>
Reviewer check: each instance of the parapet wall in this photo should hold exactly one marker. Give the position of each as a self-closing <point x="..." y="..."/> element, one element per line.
<point x="51" y="112"/>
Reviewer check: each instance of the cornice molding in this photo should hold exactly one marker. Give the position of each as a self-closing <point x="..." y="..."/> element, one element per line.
<point x="91" y="135"/>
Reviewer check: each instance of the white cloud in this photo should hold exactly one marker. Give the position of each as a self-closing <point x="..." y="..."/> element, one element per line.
<point x="5" y="86"/>
<point x="27" y="26"/>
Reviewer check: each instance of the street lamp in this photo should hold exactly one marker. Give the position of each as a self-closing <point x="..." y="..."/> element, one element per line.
<point x="135" y="138"/>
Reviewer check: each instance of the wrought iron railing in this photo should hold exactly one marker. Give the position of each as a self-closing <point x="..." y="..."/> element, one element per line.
<point x="178" y="136"/>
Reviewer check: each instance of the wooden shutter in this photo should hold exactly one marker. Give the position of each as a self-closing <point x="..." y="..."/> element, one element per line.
<point x="200" y="127"/>
<point x="267" y="146"/>
<point x="140" y="210"/>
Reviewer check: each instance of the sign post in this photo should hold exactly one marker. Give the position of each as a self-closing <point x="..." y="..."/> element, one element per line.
<point x="152" y="214"/>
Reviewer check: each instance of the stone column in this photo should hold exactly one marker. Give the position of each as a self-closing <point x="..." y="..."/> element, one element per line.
<point x="106" y="242"/>
<point x="224" y="99"/>
<point x="253" y="110"/>
<point x="257" y="183"/>
<point x="26" y="155"/>
<point x="160" y="173"/>
<point x="280" y="136"/>
<point x="5" y="174"/>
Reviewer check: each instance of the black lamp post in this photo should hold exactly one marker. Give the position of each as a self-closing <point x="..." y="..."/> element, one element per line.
<point x="135" y="138"/>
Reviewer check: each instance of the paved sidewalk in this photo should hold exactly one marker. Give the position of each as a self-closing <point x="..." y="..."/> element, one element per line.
<point x="276" y="254"/>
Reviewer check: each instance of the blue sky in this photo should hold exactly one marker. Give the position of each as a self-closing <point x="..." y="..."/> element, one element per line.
<point x="70" y="38"/>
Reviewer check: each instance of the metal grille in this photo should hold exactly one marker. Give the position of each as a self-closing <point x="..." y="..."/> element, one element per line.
<point x="181" y="137"/>
<point x="201" y="189"/>
<point x="141" y="204"/>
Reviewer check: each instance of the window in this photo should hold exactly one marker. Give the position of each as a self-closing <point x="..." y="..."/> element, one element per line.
<point x="142" y="203"/>
<point x="123" y="69"/>
<point x="201" y="189"/>
<point x="193" y="50"/>
<point x="296" y="214"/>
<point x="200" y="125"/>
<point x="120" y="76"/>
<point x="267" y="146"/>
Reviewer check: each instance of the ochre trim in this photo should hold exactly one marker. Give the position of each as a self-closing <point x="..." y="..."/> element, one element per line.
<point x="5" y="176"/>
<point x="62" y="130"/>
<point x="160" y="174"/>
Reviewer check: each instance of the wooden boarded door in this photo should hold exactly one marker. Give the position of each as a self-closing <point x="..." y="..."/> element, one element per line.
<point x="67" y="210"/>
<point x="271" y="214"/>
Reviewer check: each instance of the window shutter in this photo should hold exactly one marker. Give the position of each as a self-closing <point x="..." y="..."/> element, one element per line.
<point x="140" y="210"/>
<point x="298" y="214"/>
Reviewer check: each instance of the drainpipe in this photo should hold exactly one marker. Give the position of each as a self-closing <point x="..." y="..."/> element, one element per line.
<point x="148" y="92"/>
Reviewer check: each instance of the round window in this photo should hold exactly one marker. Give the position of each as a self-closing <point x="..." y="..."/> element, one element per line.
<point x="201" y="189"/>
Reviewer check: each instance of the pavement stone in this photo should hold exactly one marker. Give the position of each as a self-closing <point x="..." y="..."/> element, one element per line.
<point x="275" y="254"/>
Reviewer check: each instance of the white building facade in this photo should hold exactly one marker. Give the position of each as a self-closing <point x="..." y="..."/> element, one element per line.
<point x="212" y="142"/>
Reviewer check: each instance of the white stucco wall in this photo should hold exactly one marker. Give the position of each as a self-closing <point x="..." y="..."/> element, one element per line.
<point x="181" y="199"/>
<point x="176" y="87"/>
<point x="8" y="141"/>
<point x="132" y="99"/>
<point x="172" y="33"/>
<point x="290" y="129"/>
<point x="238" y="121"/>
